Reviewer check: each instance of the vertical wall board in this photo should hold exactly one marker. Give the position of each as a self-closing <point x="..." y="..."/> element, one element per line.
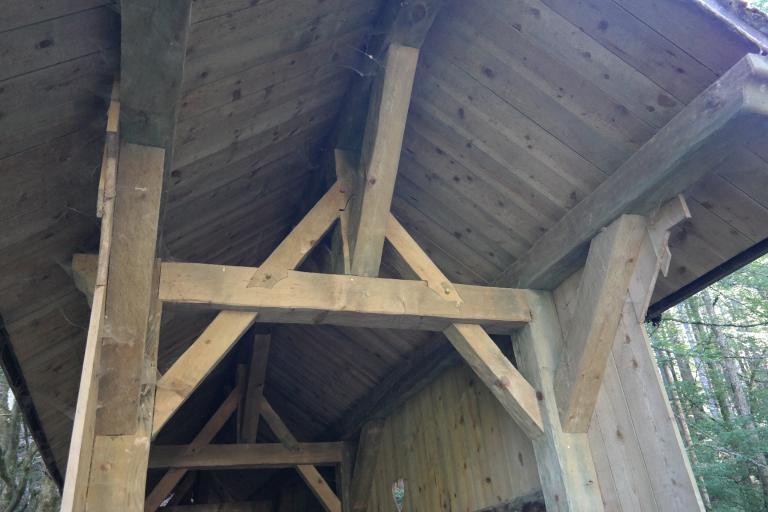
<point x="456" y="449"/>
<point x="639" y="458"/>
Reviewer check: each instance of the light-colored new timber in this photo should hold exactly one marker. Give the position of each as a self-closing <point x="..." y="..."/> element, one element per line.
<point x="604" y="285"/>
<point x="131" y="333"/>
<point x="241" y="456"/>
<point x="311" y="298"/>
<point x="564" y="461"/>
<point x="455" y="447"/>
<point x="370" y="203"/>
<point x="81" y="444"/>
<point x="640" y="460"/>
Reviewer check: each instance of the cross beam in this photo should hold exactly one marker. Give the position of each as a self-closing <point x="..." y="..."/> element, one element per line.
<point x="309" y="298"/>
<point x="243" y="456"/>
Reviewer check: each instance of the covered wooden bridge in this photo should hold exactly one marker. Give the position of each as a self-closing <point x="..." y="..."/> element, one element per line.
<point x="299" y="255"/>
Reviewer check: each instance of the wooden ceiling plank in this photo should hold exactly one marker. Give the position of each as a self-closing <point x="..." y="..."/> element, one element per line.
<point x="193" y="185"/>
<point x="304" y="297"/>
<point x="639" y="45"/>
<point x="686" y="24"/>
<point x="587" y="57"/>
<point x="210" y="66"/>
<point x="479" y="154"/>
<point x="34" y="47"/>
<point x="550" y="88"/>
<point x="341" y="51"/>
<point x="730" y="112"/>
<point x="486" y="194"/>
<point x="208" y="139"/>
<point x="481" y="252"/>
<point x="717" y="195"/>
<point x="749" y="173"/>
<point x="254" y="147"/>
<point x="21" y="14"/>
<point x="228" y="32"/>
<point x="465" y="194"/>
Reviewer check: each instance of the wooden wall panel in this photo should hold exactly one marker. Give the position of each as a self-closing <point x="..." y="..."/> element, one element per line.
<point x="639" y="457"/>
<point x="456" y="449"/>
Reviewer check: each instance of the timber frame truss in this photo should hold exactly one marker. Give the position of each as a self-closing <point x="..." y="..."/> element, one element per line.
<point x="123" y="404"/>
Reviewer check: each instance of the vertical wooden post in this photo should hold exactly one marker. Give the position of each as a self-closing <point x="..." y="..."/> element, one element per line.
<point x="344" y="478"/>
<point x="254" y="389"/>
<point x="113" y="424"/>
<point x="369" y="207"/>
<point x="365" y="463"/>
<point x="128" y="365"/>
<point x="564" y="460"/>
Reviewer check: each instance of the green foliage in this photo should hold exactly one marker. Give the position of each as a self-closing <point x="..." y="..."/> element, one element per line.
<point x="24" y="483"/>
<point x="759" y="4"/>
<point x="710" y="349"/>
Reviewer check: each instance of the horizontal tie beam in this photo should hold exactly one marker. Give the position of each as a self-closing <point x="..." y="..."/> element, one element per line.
<point x="309" y="298"/>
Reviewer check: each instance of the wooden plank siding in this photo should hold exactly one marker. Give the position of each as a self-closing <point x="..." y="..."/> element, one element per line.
<point x="455" y="447"/>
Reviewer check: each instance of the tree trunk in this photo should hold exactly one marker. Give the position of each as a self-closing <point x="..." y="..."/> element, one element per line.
<point x="740" y="400"/>
<point x="669" y="379"/>
<point x="709" y="372"/>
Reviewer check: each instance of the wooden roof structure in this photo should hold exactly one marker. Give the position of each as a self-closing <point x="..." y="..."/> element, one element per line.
<point x="521" y="112"/>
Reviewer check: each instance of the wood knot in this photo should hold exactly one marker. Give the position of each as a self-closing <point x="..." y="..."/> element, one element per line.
<point x="503" y="382"/>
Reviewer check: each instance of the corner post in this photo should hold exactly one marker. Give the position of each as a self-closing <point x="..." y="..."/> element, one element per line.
<point x="567" y="472"/>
